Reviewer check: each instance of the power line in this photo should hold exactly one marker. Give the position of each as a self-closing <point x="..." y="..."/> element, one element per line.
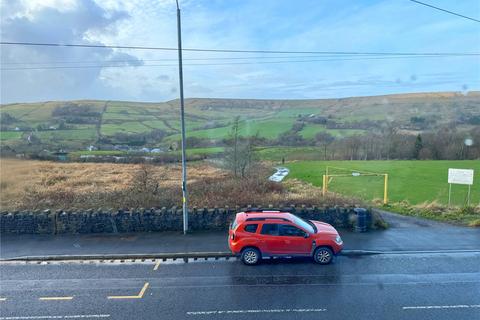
<point x="228" y="50"/>
<point x="176" y="59"/>
<point x="444" y="10"/>
<point x="223" y="58"/>
<point x="221" y="64"/>
<point x="173" y="59"/>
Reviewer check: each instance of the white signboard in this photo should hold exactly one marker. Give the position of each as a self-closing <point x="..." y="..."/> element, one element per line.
<point x="460" y="176"/>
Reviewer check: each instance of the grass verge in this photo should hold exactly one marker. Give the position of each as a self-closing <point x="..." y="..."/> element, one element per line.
<point x="464" y="216"/>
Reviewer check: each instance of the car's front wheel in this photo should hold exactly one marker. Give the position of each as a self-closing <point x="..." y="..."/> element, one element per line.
<point x="323" y="255"/>
<point x="251" y="256"/>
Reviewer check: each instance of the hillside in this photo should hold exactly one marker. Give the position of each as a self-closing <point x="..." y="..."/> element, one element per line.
<point x="77" y="124"/>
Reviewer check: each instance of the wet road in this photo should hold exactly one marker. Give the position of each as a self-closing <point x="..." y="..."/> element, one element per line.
<point x="394" y="286"/>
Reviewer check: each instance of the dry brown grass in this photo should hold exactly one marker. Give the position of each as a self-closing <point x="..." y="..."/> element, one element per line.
<point x="28" y="184"/>
<point x="25" y="181"/>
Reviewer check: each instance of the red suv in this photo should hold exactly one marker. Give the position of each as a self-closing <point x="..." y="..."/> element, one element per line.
<point x="261" y="234"/>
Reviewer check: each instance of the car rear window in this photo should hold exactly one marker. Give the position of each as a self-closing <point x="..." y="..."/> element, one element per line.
<point x="251" y="228"/>
<point x="270" y="229"/>
<point x="234" y="223"/>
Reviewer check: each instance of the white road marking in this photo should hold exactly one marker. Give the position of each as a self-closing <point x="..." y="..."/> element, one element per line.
<point x="156" y="266"/>
<point x="458" y="306"/>
<point x="54" y="298"/>
<point x="212" y="312"/>
<point x="74" y="316"/>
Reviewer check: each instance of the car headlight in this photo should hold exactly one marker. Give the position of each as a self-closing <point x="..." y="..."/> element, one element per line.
<point x="338" y="240"/>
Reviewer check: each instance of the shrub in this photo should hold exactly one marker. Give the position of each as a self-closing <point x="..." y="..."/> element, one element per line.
<point x="474" y="223"/>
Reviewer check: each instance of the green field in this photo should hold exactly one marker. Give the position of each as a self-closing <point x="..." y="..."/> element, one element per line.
<point x="414" y="181"/>
<point x="211" y="118"/>
<point x="203" y="151"/>
<point x="266" y="128"/>
<point x="10" y="135"/>
<point x="190" y="152"/>
<point x="125" y="127"/>
<point x="75" y="134"/>
<point x="289" y="153"/>
<point x="311" y="130"/>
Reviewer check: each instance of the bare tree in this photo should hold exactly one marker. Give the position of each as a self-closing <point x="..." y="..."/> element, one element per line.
<point x="231" y="150"/>
<point x="145" y="187"/>
<point x="247" y="159"/>
<point x="324" y="139"/>
<point x="239" y="153"/>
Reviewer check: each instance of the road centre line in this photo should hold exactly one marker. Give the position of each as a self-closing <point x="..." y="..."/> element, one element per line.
<point x="74" y="316"/>
<point x="213" y="312"/>
<point x="258" y="285"/>
<point x="3" y="299"/>
<point x="55" y="298"/>
<point x="459" y="306"/>
<point x="309" y="284"/>
<point x="138" y="296"/>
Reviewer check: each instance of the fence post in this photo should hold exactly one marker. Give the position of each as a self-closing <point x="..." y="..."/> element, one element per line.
<point x="324" y="187"/>
<point x="385" y="190"/>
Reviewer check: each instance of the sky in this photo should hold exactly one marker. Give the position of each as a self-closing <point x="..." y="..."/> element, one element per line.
<point x="279" y="25"/>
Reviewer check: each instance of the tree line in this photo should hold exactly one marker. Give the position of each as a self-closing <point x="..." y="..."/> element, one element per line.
<point x="446" y="143"/>
<point x="392" y="143"/>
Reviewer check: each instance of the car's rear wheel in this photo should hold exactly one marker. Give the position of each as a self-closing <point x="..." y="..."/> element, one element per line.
<point x="323" y="255"/>
<point x="251" y="256"/>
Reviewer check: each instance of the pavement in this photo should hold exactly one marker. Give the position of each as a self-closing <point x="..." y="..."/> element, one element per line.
<point x="404" y="234"/>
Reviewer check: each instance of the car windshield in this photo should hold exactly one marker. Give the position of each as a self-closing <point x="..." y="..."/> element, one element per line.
<point x="303" y="224"/>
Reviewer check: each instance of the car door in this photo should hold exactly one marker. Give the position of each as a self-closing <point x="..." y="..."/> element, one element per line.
<point x="270" y="241"/>
<point x="294" y="241"/>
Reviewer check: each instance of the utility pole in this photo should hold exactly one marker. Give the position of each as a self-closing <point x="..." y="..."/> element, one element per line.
<point x="182" y="113"/>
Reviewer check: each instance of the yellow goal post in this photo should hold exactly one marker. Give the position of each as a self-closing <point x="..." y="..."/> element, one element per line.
<point x="354" y="173"/>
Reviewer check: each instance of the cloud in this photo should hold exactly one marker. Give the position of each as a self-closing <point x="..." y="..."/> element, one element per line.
<point x="47" y="21"/>
<point x="151" y="75"/>
<point x="29" y="8"/>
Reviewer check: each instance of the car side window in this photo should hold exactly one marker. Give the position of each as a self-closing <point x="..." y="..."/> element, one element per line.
<point x="251" y="228"/>
<point x="291" y="231"/>
<point x="270" y="229"/>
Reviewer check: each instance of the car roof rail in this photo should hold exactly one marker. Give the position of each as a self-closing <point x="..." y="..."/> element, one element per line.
<point x="267" y="218"/>
<point x="259" y="211"/>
